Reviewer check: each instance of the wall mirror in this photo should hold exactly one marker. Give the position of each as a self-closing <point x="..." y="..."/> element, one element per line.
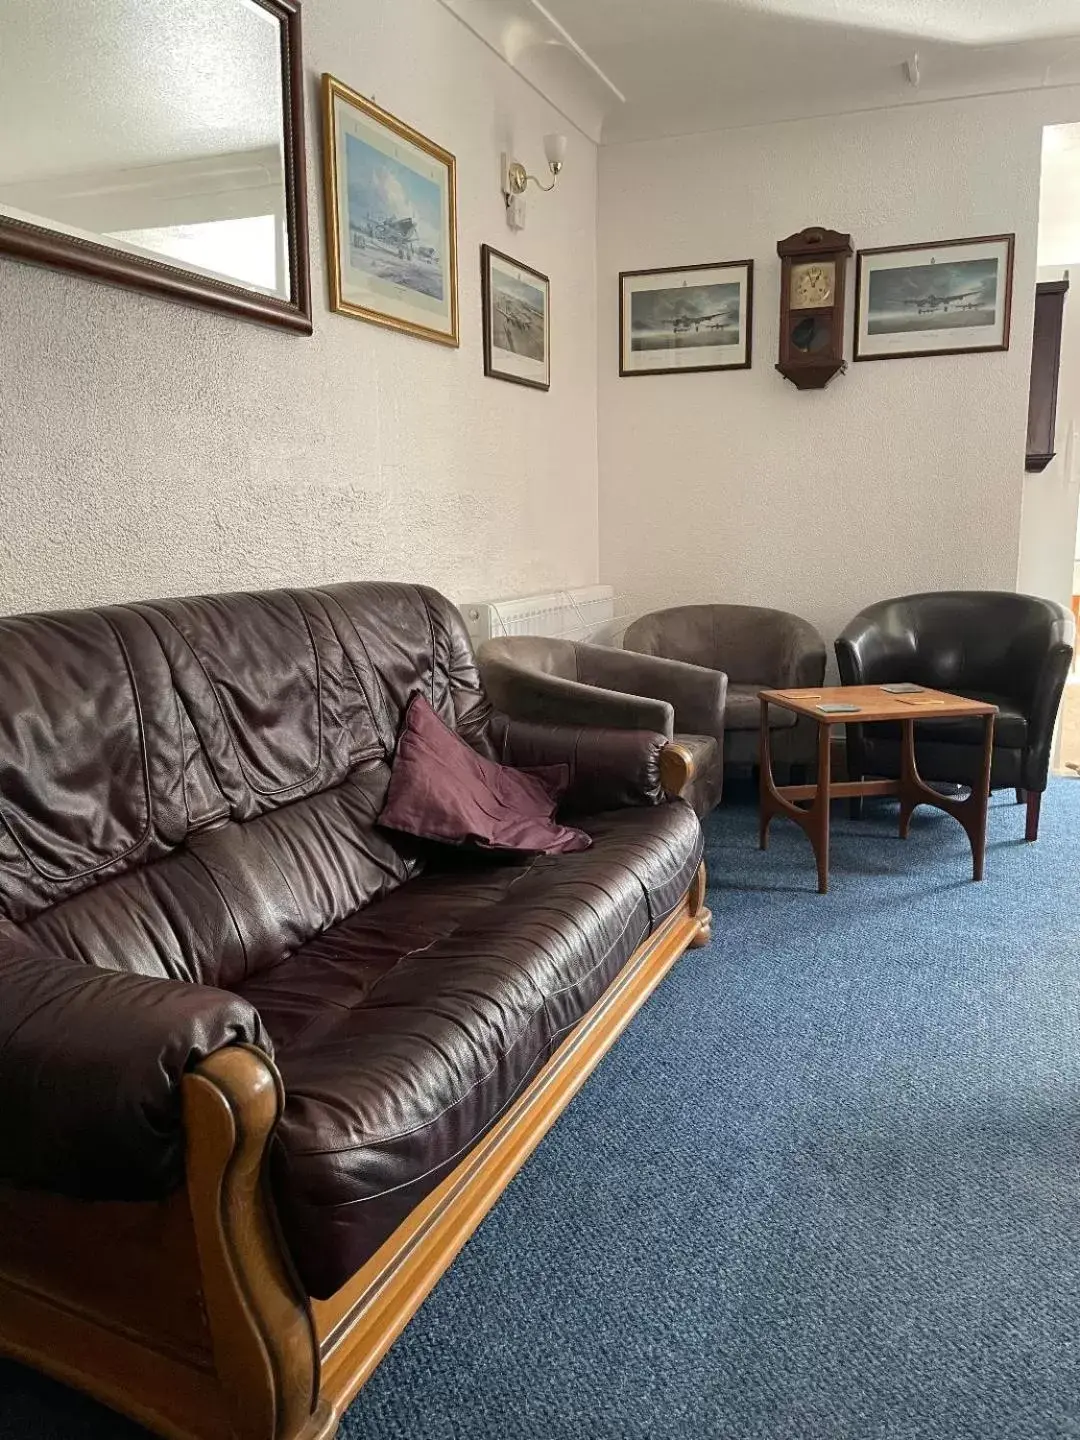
<point x="159" y="146"/>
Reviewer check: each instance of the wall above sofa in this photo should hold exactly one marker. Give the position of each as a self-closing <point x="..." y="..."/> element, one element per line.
<point x="146" y="447"/>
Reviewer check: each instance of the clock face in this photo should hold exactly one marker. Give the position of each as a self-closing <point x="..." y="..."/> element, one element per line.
<point x="812" y="284"/>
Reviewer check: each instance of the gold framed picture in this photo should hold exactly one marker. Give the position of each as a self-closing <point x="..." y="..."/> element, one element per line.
<point x="391" y="219"/>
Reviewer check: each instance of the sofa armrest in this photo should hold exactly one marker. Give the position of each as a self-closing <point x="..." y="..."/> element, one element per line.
<point x="548" y="699"/>
<point x="697" y="695"/>
<point x="90" y="1069"/>
<point x="609" y="768"/>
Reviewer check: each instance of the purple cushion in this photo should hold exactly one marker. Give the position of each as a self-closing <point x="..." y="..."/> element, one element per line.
<point x="441" y="789"/>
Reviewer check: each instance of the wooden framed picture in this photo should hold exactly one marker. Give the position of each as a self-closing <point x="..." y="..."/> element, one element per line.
<point x="686" y="318"/>
<point x="517" y="320"/>
<point x="391" y="219"/>
<point x="944" y="297"/>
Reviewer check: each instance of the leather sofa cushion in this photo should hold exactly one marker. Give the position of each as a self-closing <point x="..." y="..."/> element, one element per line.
<point x="441" y="789"/>
<point x="404" y="1032"/>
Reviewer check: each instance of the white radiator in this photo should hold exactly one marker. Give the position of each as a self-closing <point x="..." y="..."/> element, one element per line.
<point x="569" y="614"/>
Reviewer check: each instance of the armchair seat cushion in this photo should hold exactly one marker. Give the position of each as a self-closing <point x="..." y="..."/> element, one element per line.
<point x="404" y="1032"/>
<point x="744" y="710"/>
<point x="1010" y="726"/>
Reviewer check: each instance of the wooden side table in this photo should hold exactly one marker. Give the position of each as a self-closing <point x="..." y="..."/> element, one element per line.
<point x="873" y="705"/>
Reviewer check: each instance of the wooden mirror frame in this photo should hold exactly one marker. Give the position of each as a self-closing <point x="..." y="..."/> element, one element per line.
<point x="41" y="246"/>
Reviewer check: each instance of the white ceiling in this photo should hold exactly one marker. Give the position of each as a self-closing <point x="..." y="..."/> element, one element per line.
<point x="692" y="65"/>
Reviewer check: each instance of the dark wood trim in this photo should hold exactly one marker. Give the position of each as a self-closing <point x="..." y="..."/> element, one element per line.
<point x="186" y="1314"/>
<point x="1045" y="373"/>
<point x="39" y="245"/>
<point x="1010" y="241"/>
<point x="747" y="265"/>
<point x="829" y="247"/>
<point x="486" y="253"/>
<point x="1036" y="464"/>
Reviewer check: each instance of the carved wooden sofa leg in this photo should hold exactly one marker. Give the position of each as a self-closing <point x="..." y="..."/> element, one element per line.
<point x="265" y="1348"/>
<point x="698" y="908"/>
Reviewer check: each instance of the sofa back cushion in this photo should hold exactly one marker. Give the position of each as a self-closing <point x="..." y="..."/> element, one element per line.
<point x="189" y="787"/>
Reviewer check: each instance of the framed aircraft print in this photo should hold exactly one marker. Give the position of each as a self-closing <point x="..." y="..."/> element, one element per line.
<point x="940" y="298"/>
<point x="686" y="318"/>
<point x="391" y="219"/>
<point x="517" y="320"/>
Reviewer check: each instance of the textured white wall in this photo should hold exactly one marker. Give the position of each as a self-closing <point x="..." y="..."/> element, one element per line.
<point x="903" y="475"/>
<point x="1048" y="534"/>
<point x="148" y="448"/>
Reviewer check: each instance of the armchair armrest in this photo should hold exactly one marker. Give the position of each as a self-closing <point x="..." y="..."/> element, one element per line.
<point x="609" y="768"/>
<point x="536" y="695"/>
<point x="90" y="1068"/>
<point x="697" y="695"/>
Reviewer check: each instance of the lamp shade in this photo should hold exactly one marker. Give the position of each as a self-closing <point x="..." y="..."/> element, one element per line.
<point x="555" y="149"/>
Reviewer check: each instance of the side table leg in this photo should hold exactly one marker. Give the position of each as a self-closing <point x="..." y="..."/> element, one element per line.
<point x="765" y="780"/>
<point x="980" y="802"/>
<point x="909" y="776"/>
<point x="818" y="829"/>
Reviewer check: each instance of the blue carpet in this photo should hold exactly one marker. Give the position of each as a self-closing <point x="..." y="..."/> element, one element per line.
<point x="826" y="1187"/>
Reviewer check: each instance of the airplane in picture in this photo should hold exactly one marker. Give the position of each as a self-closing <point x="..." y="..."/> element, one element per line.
<point x="928" y="304"/>
<point x="718" y="320"/>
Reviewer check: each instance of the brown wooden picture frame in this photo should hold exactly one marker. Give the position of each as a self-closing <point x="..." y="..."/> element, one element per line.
<point x="41" y="246"/>
<point x="1008" y="240"/>
<point x="487" y="254"/>
<point x="744" y="364"/>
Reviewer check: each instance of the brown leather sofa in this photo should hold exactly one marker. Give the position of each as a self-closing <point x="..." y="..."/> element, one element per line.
<point x="264" y="1066"/>
<point x="568" y="682"/>
<point x="995" y="645"/>
<point x="757" y="649"/>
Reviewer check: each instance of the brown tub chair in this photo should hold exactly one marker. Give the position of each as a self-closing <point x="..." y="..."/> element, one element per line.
<point x="567" y="682"/>
<point x="757" y="649"/>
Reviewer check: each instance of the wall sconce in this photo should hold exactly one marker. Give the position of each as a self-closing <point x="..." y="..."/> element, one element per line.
<point x="516" y="179"/>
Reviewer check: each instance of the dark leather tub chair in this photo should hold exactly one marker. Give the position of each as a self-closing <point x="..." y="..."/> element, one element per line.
<point x="1011" y="650"/>
<point x="757" y="649"/>
<point x="567" y="682"/>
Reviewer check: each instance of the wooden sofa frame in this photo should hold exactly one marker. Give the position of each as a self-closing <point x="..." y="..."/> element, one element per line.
<point x="186" y="1314"/>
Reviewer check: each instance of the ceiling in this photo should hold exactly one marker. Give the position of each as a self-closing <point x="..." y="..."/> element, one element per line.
<point x="685" y="66"/>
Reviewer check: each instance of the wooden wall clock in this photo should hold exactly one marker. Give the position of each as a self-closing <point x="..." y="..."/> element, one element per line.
<point x="812" y="275"/>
